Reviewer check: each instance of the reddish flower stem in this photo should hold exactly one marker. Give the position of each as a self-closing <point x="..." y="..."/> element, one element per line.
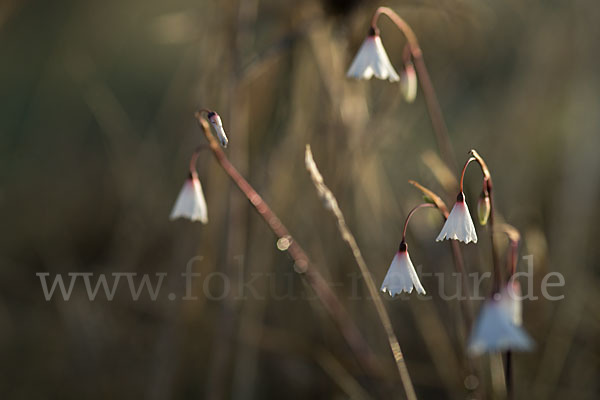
<point x="457" y="256"/>
<point x="462" y="174"/>
<point x="193" y="160"/>
<point x="487" y="185"/>
<point x="330" y="301"/>
<point x="410" y="214"/>
<point x="433" y="105"/>
<point x="487" y="190"/>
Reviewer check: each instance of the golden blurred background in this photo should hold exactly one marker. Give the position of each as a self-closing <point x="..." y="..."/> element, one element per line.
<point x="97" y="129"/>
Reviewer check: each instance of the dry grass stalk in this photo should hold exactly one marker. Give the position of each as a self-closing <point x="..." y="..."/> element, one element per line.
<point x="331" y="204"/>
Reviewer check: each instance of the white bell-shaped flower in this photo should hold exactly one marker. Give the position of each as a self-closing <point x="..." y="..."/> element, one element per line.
<point x="510" y="299"/>
<point x="459" y="225"/>
<point x="190" y="203"/>
<point x="401" y="276"/>
<point x="215" y="121"/>
<point x="497" y="327"/>
<point x="372" y="59"/>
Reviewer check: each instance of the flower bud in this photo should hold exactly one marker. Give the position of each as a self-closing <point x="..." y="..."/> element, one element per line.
<point x="408" y="82"/>
<point x="215" y="121"/>
<point x="483" y="208"/>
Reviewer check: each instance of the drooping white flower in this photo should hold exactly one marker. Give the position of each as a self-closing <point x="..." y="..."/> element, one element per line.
<point x="459" y="225"/>
<point x="190" y="203"/>
<point x="510" y="299"/>
<point x="372" y="59"/>
<point x="217" y="124"/>
<point x="495" y="329"/>
<point x="408" y="82"/>
<point x="401" y="276"/>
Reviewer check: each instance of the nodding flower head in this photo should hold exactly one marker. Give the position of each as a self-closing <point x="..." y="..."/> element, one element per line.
<point x="401" y="276"/>
<point x="217" y="124"/>
<point x="190" y="203"/>
<point x="459" y="225"/>
<point x="408" y="82"/>
<point x="372" y="59"/>
<point x="498" y="328"/>
<point x="510" y="299"/>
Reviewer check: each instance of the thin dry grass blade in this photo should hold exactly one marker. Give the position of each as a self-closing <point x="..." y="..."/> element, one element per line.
<point x="331" y="204"/>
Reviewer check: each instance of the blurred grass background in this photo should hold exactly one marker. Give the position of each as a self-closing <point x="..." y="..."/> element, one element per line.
<point x="97" y="127"/>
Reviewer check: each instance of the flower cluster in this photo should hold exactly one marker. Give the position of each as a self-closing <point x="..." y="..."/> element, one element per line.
<point x="459" y="226"/>
<point x="498" y="327"/>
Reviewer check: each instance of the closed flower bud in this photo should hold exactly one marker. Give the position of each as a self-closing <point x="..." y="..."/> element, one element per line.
<point x="483" y="209"/>
<point x="217" y="124"/>
<point x="408" y="82"/>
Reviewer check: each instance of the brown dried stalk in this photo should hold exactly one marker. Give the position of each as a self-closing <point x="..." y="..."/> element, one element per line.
<point x="303" y="266"/>
<point x="332" y="205"/>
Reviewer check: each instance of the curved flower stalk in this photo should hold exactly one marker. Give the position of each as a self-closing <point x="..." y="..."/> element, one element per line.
<point x="372" y="60"/>
<point x="489" y="209"/>
<point x="369" y="57"/>
<point x="459" y="225"/>
<point x="190" y="203"/>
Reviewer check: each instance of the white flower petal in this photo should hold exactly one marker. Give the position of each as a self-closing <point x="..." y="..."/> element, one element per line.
<point x="372" y="59"/>
<point x="401" y="276"/>
<point x="190" y="203"/>
<point x="459" y="225"/>
<point x="495" y="332"/>
<point x="510" y="300"/>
